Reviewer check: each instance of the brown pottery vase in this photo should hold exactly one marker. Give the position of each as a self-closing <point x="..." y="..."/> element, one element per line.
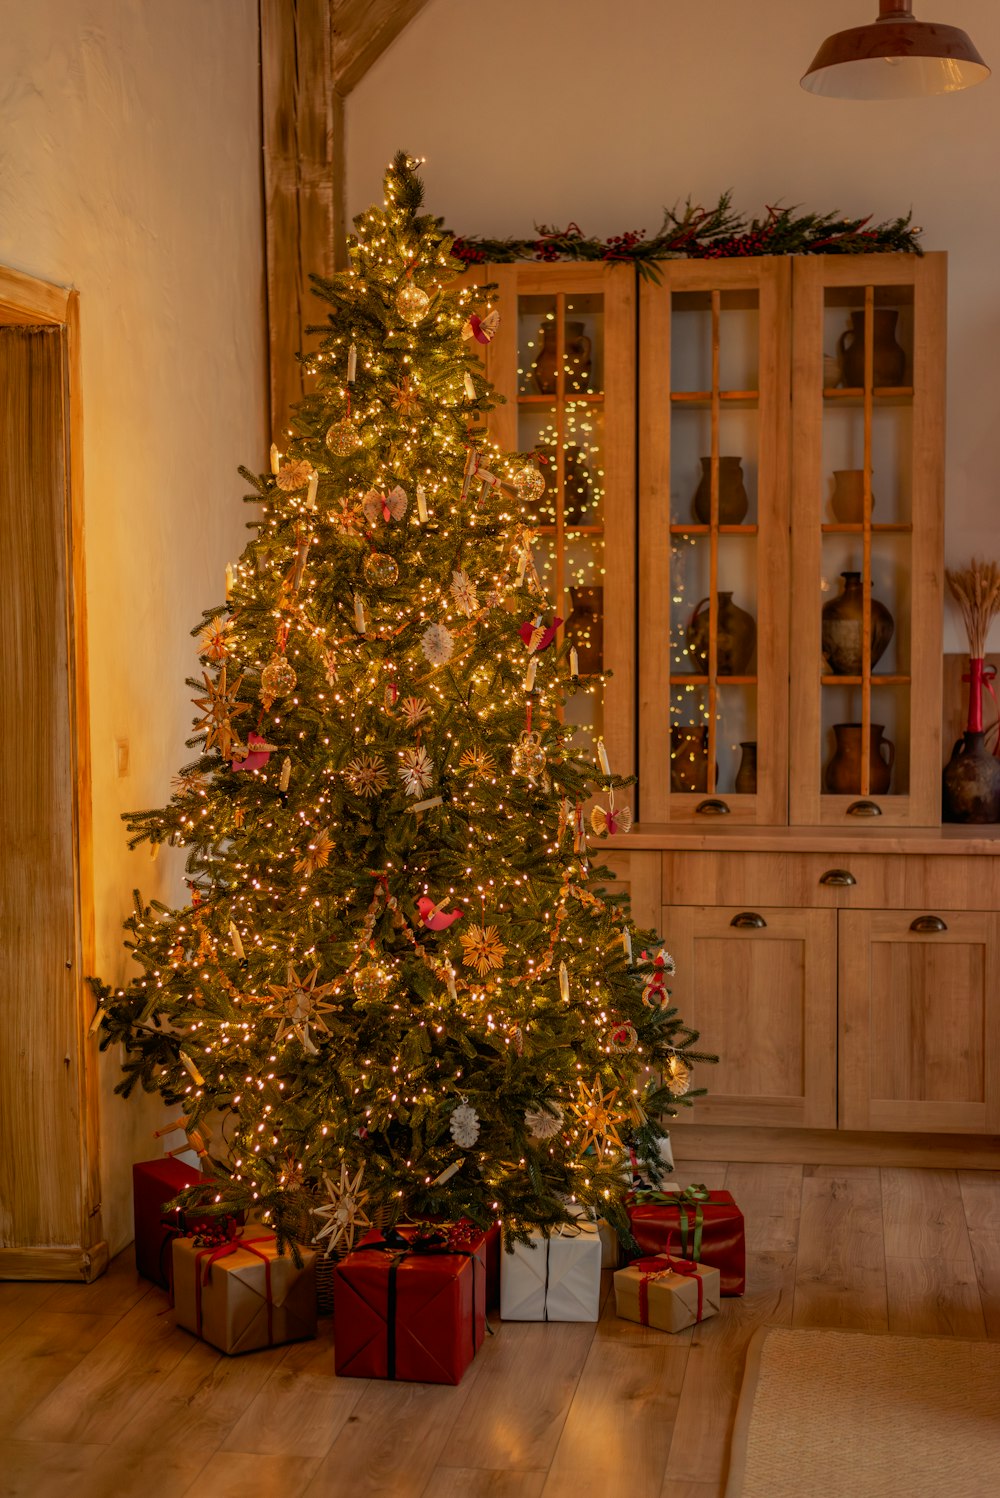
<point x="843" y="620"/>
<point x="848" y="502"/>
<point x="746" y="776"/>
<point x="585" y="628"/>
<point x="733" y="501"/>
<point x="735" y="638"/>
<point x="888" y="359"/>
<point x="577" y="358"/>
<point x="970" y="783"/>
<point x="843" y="773"/>
<point x="689" y="758"/>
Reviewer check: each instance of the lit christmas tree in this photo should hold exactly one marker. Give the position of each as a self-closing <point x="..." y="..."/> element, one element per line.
<point x="397" y="985"/>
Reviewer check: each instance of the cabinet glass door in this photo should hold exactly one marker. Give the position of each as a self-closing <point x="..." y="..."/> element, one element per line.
<point x="564" y="358"/>
<point x="713" y="542"/>
<point x="867" y="539"/>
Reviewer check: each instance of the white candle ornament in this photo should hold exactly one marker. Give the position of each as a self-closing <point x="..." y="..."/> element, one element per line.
<point x="352" y="364"/>
<point x="359" y="615"/>
<point x="191" y="1069"/>
<point x="574" y="664"/>
<point x="470" y="388"/>
<point x="602" y="755"/>
<point x="286" y="774"/>
<point x="230" y="580"/>
<point x="236" y="939"/>
<point x="275" y="458"/>
<point x="529" y="675"/>
<point x="421" y="503"/>
<point x="312" y="490"/>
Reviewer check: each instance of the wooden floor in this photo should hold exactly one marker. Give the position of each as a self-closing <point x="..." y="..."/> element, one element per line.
<point x="101" y="1395"/>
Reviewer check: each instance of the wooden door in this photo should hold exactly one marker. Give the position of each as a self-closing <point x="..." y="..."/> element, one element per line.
<point x="920" y="1021"/>
<point x="713" y="542"/>
<point x="761" y="987"/>
<point x="50" y="1226"/>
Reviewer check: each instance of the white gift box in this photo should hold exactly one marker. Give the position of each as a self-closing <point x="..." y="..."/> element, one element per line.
<point x="633" y="1167"/>
<point x="557" y="1278"/>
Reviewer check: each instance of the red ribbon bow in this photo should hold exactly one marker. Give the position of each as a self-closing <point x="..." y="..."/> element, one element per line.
<point x="656" y="1268"/>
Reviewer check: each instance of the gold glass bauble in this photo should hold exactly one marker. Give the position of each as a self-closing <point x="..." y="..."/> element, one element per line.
<point x="380" y="570"/>
<point x="529" y="483"/>
<point x="371" y="982"/>
<point x="278" y="677"/>
<point x="412" y="303"/>
<point x="528" y="758"/>
<point x="343" y="438"/>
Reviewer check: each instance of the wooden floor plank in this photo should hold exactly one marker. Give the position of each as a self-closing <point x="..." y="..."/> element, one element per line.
<point x="714" y="1372"/>
<point x="618" y="1430"/>
<point x="117" y="1290"/>
<point x="126" y="1473"/>
<point x="18" y="1302"/>
<point x="679" y="1488"/>
<point x="770" y="1198"/>
<point x="840" y="1278"/>
<point x="527" y="1378"/>
<point x="934" y="1298"/>
<point x="232" y="1474"/>
<point x="476" y="1482"/>
<point x="981" y="1201"/>
<point x="924" y="1215"/>
<point x="40" y="1356"/>
<point x="44" y="1469"/>
<point x="302" y="1407"/>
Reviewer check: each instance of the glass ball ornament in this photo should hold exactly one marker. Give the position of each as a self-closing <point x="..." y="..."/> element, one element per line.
<point x="529" y="483"/>
<point x="412" y="303"/>
<point x="278" y="677"/>
<point x="380" y="570"/>
<point x="528" y="758"/>
<point x="371" y="982"/>
<point x="343" y="438"/>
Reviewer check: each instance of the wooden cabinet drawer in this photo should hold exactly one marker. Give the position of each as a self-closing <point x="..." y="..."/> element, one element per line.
<point x="819" y="880"/>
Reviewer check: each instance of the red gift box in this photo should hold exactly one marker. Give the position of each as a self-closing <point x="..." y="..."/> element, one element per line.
<point x="153" y="1183"/>
<point x="704" y="1226"/>
<point x="410" y="1306"/>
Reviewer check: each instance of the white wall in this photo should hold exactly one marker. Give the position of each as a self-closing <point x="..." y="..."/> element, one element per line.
<point x="130" y="168"/>
<point x="542" y="111"/>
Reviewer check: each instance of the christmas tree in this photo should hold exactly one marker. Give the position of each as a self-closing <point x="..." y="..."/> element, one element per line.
<point x="397" y="985"/>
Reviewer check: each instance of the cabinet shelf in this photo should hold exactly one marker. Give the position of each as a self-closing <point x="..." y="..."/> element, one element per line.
<point x="722" y="681"/>
<point x="569" y="529"/>
<point x="855" y="528"/>
<point x="885" y="680"/>
<point x="568" y="397"/>
<point x="882" y="395"/>
<point x="704" y="530"/>
<point x="701" y="398"/>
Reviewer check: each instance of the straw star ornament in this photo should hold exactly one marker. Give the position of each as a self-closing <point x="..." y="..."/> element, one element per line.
<point x="344" y="1210"/>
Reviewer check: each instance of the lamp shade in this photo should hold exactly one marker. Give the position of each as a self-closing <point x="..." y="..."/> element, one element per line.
<point x="896" y="57"/>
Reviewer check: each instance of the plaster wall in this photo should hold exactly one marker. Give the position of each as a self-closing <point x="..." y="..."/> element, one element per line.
<point x="544" y="111"/>
<point x="130" y="169"/>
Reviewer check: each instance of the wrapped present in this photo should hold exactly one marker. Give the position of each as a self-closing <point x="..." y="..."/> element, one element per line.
<point x="410" y="1303"/>
<point x="668" y="1293"/>
<point x="240" y="1293"/>
<point x="492" y="1258"/>
<point x="555" y="1277"/>
<point x="155" y="1182"/>
<point x="610" y="1248"/>
<point x="705" y="1226"/>
<point x="637" y="1171"/>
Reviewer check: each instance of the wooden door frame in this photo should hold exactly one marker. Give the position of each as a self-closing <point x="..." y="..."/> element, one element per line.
<point x="26" y="301"/>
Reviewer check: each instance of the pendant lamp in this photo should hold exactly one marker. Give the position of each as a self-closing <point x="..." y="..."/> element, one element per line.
<point x="896" y="57"/>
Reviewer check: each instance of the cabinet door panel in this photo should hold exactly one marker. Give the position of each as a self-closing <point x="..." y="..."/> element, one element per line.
<point x="764" y="999"/>
<point x="919" y="1020"/>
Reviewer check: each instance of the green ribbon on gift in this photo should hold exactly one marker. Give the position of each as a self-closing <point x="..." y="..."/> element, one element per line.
<point x="689" y="1194"/>
<point x="699" y="1217"/>
<point x="692" y="1196"/>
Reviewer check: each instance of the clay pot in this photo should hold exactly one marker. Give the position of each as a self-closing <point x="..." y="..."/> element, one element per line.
<point x="843" y="773"/>
<point x="888" y="359"/>
<point x="585" y="628"/>
<point x="970" y="783"/>
<point x="848" y="502"/>
<point x="689" y="758"/>
<point x="842" y="627"/>
<point x="577" y="371"/>
<point x="746" y="776"/>
<point x="735" y="640"/>
<point x="733" y="501"/>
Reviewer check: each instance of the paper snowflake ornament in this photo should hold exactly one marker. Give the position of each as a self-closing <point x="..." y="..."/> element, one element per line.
<point x="464" y="1125"/>
<point x="219" y="707"/>
<point x="343" y="1211"/>
<point x="463" y="590"/>
<point x="437" y="644"/>
<point x="544" y="1123"/>
<point x="416" y="770"/>
<point x="596" y="1119"/>
<point x="384" y="507"/>
<point x="317" y="854"/>
<point x="367" y="775"/>
<point x="606" y="822"/>
<point x="677" y="1076"/>
<point x="292" y="476"/>
<point x="482" y="949"/>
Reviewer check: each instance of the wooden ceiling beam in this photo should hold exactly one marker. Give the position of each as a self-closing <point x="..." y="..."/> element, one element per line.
<point x="363" y="29"/>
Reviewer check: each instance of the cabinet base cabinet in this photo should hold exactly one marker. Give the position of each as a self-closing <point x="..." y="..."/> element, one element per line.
<point x="761" y="988"/>
<point x="919" y="1021"/>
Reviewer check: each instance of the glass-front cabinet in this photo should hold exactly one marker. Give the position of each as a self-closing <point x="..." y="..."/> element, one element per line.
<point x="867" y="539"/>
<point x="564" y="358"/>
<point x="713" y="548"/>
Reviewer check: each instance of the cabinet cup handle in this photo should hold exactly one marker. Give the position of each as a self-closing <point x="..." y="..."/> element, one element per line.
<point x="712" y="808"/>
<point x="864" y="809"/>
<point x="837" y="876"/>
<point x="749" y="918"/>
<point x="928" y="923"/>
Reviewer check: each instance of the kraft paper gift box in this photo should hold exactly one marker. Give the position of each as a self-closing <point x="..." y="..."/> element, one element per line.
<point x="411" y="1306"/>
<point x="667" y="1293"/>
<point x="706" y="1226"/>
<point x="554" y="1278"/>
<point x="242" y="1294"/>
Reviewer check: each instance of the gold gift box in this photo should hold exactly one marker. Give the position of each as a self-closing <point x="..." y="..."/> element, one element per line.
<point x="228" y="1306"/>
<point x="672" y="1297"/>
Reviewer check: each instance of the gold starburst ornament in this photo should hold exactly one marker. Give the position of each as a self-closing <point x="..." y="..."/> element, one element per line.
<point x="597" y="1120"/>
<point x="482" y="949"/>
<point x="219" y="707"/>
<point x="343" y="1212"/>
<point x="366" y="775"/>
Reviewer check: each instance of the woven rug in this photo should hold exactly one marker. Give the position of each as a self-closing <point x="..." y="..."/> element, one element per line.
<point x="827" y="1414"/>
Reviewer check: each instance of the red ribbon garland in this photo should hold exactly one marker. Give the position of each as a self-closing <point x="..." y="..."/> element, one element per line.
<point x="222" y="1251"/>
<point x="653" y="1269"/>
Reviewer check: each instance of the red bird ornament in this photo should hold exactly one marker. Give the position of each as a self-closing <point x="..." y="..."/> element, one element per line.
<point x="435" y="917"/>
